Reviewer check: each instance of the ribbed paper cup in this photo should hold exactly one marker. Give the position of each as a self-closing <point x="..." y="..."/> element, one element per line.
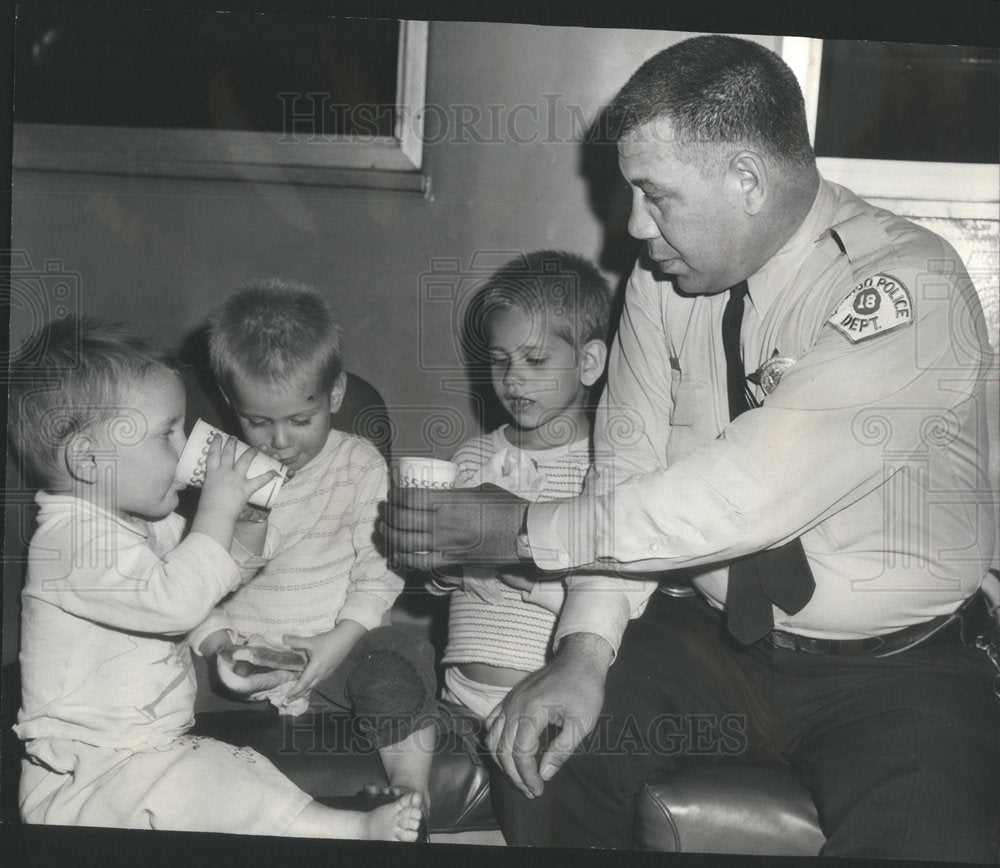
<point x="191" y="466"/>
<point x="414" y="472"/>
<point x="425" y="473"/>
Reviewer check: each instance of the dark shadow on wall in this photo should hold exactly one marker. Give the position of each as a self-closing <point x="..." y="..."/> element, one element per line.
<point x="610" y="200"/>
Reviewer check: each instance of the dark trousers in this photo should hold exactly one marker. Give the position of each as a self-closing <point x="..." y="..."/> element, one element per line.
<point x="900" y="753"/>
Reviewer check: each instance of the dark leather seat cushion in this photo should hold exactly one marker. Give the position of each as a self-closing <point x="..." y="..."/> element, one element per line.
<point x="728" y="809"/>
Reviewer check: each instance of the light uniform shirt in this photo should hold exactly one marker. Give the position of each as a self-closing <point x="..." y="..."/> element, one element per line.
<point x="872" y="449"/>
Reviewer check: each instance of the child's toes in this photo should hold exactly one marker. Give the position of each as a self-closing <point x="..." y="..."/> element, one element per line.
<point x="412" y="799"/>
<point x="381" y="792"/>
<point x="408" y="822"/>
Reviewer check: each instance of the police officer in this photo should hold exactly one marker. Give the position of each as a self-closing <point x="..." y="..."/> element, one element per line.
<point x="795" y="421"/>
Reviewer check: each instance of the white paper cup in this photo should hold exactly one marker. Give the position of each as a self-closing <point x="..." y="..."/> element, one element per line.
<point x="191" y="466"/>
<point x="425" y="473"/>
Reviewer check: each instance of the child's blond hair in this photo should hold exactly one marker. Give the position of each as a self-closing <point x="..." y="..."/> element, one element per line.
<point x="564" y="292"/>
<point x="74" y="376"/>
<point x="274" y="332"/>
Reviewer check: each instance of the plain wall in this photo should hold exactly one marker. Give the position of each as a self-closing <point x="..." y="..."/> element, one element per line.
<point x="158" y="253"/>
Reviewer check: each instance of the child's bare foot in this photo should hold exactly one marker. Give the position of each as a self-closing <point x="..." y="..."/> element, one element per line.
<point x="394" y="791"/>
<point x="397" y="821"/>
<point x="408" y="763"/>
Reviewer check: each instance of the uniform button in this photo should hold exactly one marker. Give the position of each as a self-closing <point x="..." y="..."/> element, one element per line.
<point x="654" y="547"/>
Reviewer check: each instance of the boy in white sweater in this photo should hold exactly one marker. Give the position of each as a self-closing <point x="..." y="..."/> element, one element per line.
<point x="324" y="589"/>
<point x="540" y="323"/>
<point x="111" y="590"/>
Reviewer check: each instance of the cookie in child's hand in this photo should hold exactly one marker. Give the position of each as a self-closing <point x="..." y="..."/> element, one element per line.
<point x="246" y="660"/>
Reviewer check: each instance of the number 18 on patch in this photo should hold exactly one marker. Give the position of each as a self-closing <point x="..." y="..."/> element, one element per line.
<point x="875" y="306"/>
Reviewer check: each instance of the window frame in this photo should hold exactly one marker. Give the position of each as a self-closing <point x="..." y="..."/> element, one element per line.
<point x="388" y="162"/>
<point x="971" y="189"/>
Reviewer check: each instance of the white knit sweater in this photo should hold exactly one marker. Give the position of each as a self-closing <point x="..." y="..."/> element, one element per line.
<point x="326" y="568"/>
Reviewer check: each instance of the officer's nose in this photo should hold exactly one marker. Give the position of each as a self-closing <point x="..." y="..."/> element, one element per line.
<point x="640" y="222"/>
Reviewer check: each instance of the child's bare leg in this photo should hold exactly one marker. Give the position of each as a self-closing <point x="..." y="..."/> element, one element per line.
<point x="398" y="821"/>
<point x="408" y="763"/>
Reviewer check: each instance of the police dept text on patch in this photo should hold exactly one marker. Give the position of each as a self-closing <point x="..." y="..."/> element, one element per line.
<point x="875" y="306"/>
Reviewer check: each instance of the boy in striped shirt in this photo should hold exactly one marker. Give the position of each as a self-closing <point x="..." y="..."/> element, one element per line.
<point x="540" y="322"/>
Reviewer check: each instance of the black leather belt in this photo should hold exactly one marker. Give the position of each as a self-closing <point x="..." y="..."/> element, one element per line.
<point x="966" y="622"/>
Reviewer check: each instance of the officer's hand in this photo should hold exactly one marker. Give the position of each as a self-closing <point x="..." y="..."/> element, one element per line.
<point x="425" y="529"/>
<point x="567" y="692"/>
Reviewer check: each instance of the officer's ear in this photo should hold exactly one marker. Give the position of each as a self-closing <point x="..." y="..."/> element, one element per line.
<point x="748" y="170"/>
<point x="593" y="355"/>
<point x="80" y="458"/>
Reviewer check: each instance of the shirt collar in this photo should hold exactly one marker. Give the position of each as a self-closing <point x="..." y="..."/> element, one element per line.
<point x="774" y="274"/>
<point x="318" y="464"/>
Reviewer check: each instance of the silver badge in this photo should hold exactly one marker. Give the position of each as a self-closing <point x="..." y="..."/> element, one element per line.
<point x="768" y="375"/>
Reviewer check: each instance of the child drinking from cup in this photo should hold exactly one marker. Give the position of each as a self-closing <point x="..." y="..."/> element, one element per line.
<point x="111" y="590"/>
<point x="322" y="587"/>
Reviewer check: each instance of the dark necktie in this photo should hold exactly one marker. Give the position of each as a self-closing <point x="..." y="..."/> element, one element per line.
<point x="780" y="576"/>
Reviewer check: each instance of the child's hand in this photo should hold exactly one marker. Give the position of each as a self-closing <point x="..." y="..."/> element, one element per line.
<point x="217" y="647"/>
<point x="517" y="580"/>
<point x="483" y="584"/>
<point x="226" y="490"/>
<point x="211" y="644"/>
<point x="246" y="686"/>
<point x="226" y="485"/>
<point x="326" y="652"/>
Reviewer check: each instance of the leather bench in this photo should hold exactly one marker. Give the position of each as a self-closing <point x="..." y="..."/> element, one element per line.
<point x="744" y="810"/>
<point x="728" y="809"/>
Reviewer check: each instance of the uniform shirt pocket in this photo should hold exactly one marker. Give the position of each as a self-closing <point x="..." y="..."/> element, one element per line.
<point x="691" y="399"/>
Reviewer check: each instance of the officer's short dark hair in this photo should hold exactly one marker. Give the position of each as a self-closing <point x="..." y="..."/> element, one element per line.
<point x="722" y="90"/>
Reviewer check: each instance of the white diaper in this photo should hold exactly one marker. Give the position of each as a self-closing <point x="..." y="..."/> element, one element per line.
<point x="479" y="698"/>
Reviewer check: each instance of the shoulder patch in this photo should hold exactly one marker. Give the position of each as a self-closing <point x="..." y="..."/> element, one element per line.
<point x="878" y="304"/>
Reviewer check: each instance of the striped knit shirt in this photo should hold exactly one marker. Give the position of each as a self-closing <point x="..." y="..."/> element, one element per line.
<point x="516" y="632"/>
<point x="326" y="568"/>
